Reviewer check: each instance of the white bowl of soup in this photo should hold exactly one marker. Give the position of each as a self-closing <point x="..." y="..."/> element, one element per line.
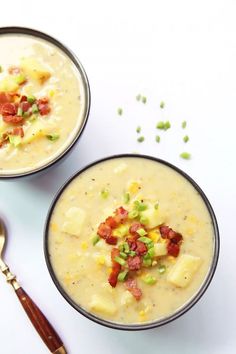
<point x="131" y="242"/>
<point x="44" y="101"/>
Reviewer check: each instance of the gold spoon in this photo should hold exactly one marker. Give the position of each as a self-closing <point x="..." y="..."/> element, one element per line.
<point x="37" y="318"/>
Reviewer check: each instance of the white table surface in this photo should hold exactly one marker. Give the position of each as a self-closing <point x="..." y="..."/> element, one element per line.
<point x="182" y="52"/>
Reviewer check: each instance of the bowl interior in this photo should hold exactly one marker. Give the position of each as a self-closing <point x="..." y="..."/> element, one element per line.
<point x="86" y="93"/>
<point x="161" y="321"/>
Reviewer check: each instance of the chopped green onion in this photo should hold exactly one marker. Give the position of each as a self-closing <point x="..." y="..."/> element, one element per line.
<point x="160" y="125"/>
<point x="120" y="111"/>
<point x="33" y="117"/>
<point x="185" y="155"/>
<point x="104" y="193"/>
<point x="133" y="214"/>
<point x="162" y="104"/>
<point x="53" y="137"/>
<point x="34" y="108"/>
<point x="121" y="231"/>
<point x="140" y="206"/>
<point x="167" y="125"/>
<point x="141" y="139"/>
<point x="121" y="247"/>
<point x="144" y="220"/>
<point x="31" y="99"/>
<point x="15" y="140"/>
<point x="144" y="99"/>
<point x="150" y="280"/>
<point x="122" y="275"/>
<point x="123" y="255"/>
<point x="138" y="97"/>
<point x="138" y="129"/>
<point x="186" y="138"/>
<point x="20" y="111"/>
<point x="26" y="114"/>
<point x="142" y="232"/>
<point x="126" y="198"/>
<point x="144" y="239"/>
<point x="151" y="252"/>
<point x="95" y="240"/>
<point x="162" y="269"/>
<point x="120" y="260"/>
<point x="150" y="245"/>
<point x="132" y="253"/>
<point x="156" y="206"/>
<point x="147" y="262"/>
<point x="126" y="247"/>
<point x="158" y="138"/>
<point x="184" y="124"/>
<point x="20" y="79"/>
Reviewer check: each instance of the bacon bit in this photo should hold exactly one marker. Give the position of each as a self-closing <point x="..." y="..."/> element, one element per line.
<point x="164" y="230"/>
<point x="134" y="227"/>
<point x="173" y="249"/>
<point x="132" y="286"/>
<point x="14" y="70"/>
<point x="141" y="248"/>
<point x="25" y="106"/>
<point x="104" y="230"/>
<point x="44" y="109"/>
<point x="110" y="221"/>
<point x="43" y="100"/>
<point x="5" y="140"/>
<point x="12" y="119"/>
<point x="175" y="237"/>
<point x="116" y="267"/>
<point x="23" y="98"/>
<point x="121" y="215"/>
<point x="132" y="243"/>
<point x="18" y="131"/>
<point x="8" y="109"/>
<point x="111" y="240"/>
<point x="134" y="263"/>
<point x="4" y="98"/>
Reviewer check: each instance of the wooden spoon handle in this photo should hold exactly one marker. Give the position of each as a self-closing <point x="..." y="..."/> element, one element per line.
<point x="41" y="324"/>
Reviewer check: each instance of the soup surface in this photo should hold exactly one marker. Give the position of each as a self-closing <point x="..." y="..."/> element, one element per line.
<point x="41" y="102"/>
<point x="130" y="240"/>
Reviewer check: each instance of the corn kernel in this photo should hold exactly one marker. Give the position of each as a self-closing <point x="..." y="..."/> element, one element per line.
<point x="134" y="187"/>
<point x="193" y="219"/>
<point x="84" y="245"/>
<point x="54" y="227"/>
<point x="51" y="93"/>
<point x="154" y="235"/>
<point x="171" y="259"/>
<point x="100" y="260"/>
<point x="190" y="231"/>
<point x="109" y="270"/>
<point x="142" y="313"/>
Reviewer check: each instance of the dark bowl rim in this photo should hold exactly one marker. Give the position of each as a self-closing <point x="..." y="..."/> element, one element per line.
<point x="162" y="321"/>
<point x="86" y="87"/>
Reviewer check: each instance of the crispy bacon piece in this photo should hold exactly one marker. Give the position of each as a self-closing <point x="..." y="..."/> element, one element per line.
<point x="14" y="70"/>
<point x="134" y="227"/>
<point x="121" y="215"/>
<point x="18" y="131"/>
<point x="174" y="237"/>
<point x="43" y="100"/>
<point x="173" y="249"/>
<point x="25" y="106"/>
<point x="111" y="240"/>
<point x="134" y="263"/>
<point x="12" y="119"/>
<point x="4" y="98"/>
<point x="141" y="248"/>
<point x="110" y="221"/>
<point x="104" y="230"/>
<point x="116" y="267"/>
<point x="132" y="243"/>
<point x="44" y="109"/>
<point x="164" y="230"/>
<point x="4" y="140"/>
<point x="23" y="98"/>
<point x="8" y="109"/>
<point x="132" y="286"/>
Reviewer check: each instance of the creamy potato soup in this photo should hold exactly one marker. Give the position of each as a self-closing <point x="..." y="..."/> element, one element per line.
<point x="42" y="102"/>
<point x="130" y="240"/>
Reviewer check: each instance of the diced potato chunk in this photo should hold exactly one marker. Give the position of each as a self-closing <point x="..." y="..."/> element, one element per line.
<point x="75" y="218"/>
<point x="153" y="216"/>
<point x="183" y="271"/>
<point x="127" y="298"/>
<point x="102" y="305"/>
<point x="9" y="84"/>
<point x="35" y="70"/>
<point x="34" y="131"/>
<point x="3" y="127"/>
<point x="160" y="249"/>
